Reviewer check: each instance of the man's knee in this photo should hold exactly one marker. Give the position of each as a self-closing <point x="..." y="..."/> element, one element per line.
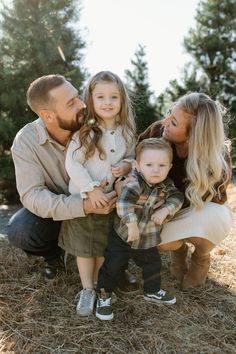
<point x="29" y="232"/>
<point x="17" y="226"/>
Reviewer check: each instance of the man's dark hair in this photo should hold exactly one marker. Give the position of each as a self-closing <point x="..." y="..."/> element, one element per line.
<point x="38" y="93"/>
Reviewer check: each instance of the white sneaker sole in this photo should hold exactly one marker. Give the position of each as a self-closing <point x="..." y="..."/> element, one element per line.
<point x="85" y="313"/>
<point x="103" y="317"/>
<point x="160" y="302"/>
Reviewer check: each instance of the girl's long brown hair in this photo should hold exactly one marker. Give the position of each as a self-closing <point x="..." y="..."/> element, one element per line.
<point x="90" y="134"/>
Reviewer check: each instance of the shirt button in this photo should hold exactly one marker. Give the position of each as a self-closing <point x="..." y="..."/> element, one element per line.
<point x="112" y="150"/>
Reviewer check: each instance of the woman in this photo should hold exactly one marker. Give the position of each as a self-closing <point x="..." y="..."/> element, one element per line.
<point x="201" y="169"/>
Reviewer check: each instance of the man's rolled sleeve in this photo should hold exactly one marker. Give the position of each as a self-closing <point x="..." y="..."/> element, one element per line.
<point x="35" y="194"/>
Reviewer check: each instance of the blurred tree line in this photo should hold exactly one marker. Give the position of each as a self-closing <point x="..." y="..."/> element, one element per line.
<point x="31" y="32"/>
<point x="212" y="46"/>
<point x="37" y="37"/>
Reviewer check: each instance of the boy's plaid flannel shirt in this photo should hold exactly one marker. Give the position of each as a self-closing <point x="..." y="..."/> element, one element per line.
<point x="149" y="231"/>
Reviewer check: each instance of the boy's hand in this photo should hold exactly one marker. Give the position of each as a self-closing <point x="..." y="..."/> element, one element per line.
<point x="121" y="169"/>
<point x="133" y="232"/>
<point x="159" y="216"/>
<point x="98" y="198"/>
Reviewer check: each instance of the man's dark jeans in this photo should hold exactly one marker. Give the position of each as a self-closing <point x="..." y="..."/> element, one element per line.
<point x="117" y="255"/>
<point x="34" y="235"/>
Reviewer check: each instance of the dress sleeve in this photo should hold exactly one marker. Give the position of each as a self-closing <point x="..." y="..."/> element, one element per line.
<point x="79" y="176"/>
<point x="130" y="152"/>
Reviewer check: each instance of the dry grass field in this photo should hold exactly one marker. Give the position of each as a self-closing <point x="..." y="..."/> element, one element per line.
<point x="39" y="318"/>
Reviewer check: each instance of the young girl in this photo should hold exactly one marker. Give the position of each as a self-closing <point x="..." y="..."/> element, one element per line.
<point x="99" y="152"/>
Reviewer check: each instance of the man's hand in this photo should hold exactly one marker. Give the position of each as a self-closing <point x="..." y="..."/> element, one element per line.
<point x="121" y="169"/>
<point x="98" y="198"/>
<point x="89" y="209"/>
<point x="133" y="232"/>
<point x="159" y="216"/>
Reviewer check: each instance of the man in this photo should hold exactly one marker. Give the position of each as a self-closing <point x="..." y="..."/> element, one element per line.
<point x="38" y="153"/>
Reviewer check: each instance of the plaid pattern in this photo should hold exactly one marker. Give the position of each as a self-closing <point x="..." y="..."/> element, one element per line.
<point x="149" y="231"/>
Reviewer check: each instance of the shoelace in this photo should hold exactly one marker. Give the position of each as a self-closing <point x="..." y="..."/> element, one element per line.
<point x="104" y="302"/>
<point x="161" y="292"/>
<point x="85" y="298"/>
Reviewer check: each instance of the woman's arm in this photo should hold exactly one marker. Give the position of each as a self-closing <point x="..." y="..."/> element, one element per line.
<point x="153" y="131"/>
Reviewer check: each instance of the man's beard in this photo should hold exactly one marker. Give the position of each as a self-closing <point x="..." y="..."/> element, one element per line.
<point x="72" y="126"/>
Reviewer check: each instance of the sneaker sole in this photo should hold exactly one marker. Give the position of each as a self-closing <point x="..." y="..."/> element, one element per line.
<point x="103" y="317"/>
<point x="84" y="314"/>
<point x="160" y="302"/>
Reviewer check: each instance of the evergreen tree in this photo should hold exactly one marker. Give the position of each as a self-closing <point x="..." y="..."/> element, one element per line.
<point x="213" y="46"/>
<point x="189" y="82"/>
<point x="31" y="32"/>
<point x="137" y="82"/>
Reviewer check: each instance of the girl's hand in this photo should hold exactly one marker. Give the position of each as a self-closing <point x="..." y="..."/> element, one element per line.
<point x="159" y="216"/>
<point x="121" y="169"/>
<point x="98" y="198"/>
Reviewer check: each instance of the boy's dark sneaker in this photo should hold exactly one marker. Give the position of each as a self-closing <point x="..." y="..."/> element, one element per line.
<point x="103" y="307"/>
<point x="160" y="297"/>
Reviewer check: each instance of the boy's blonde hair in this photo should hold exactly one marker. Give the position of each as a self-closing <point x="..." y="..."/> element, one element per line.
<point x="154" y="144"/>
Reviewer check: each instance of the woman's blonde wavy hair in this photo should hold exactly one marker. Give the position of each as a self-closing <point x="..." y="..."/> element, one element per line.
<point x="207" y="147"/>
<point x="90" y="134"/>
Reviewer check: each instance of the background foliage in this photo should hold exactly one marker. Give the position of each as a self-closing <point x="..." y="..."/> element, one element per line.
<point x="137" y="82"/>
<point x="212" y="45"/>
<point x="32" y="30"/>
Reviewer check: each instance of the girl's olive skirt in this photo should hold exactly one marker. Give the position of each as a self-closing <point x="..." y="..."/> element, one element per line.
<point x="87" y="236"/>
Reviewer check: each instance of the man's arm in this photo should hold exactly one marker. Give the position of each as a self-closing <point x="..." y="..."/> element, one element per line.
<point x="36" y="196"/>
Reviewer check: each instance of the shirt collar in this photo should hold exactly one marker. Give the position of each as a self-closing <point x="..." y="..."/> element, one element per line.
<point x="158" y="185"/>
<point x="43" y="134"/>
<point x="108" y="131"/>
